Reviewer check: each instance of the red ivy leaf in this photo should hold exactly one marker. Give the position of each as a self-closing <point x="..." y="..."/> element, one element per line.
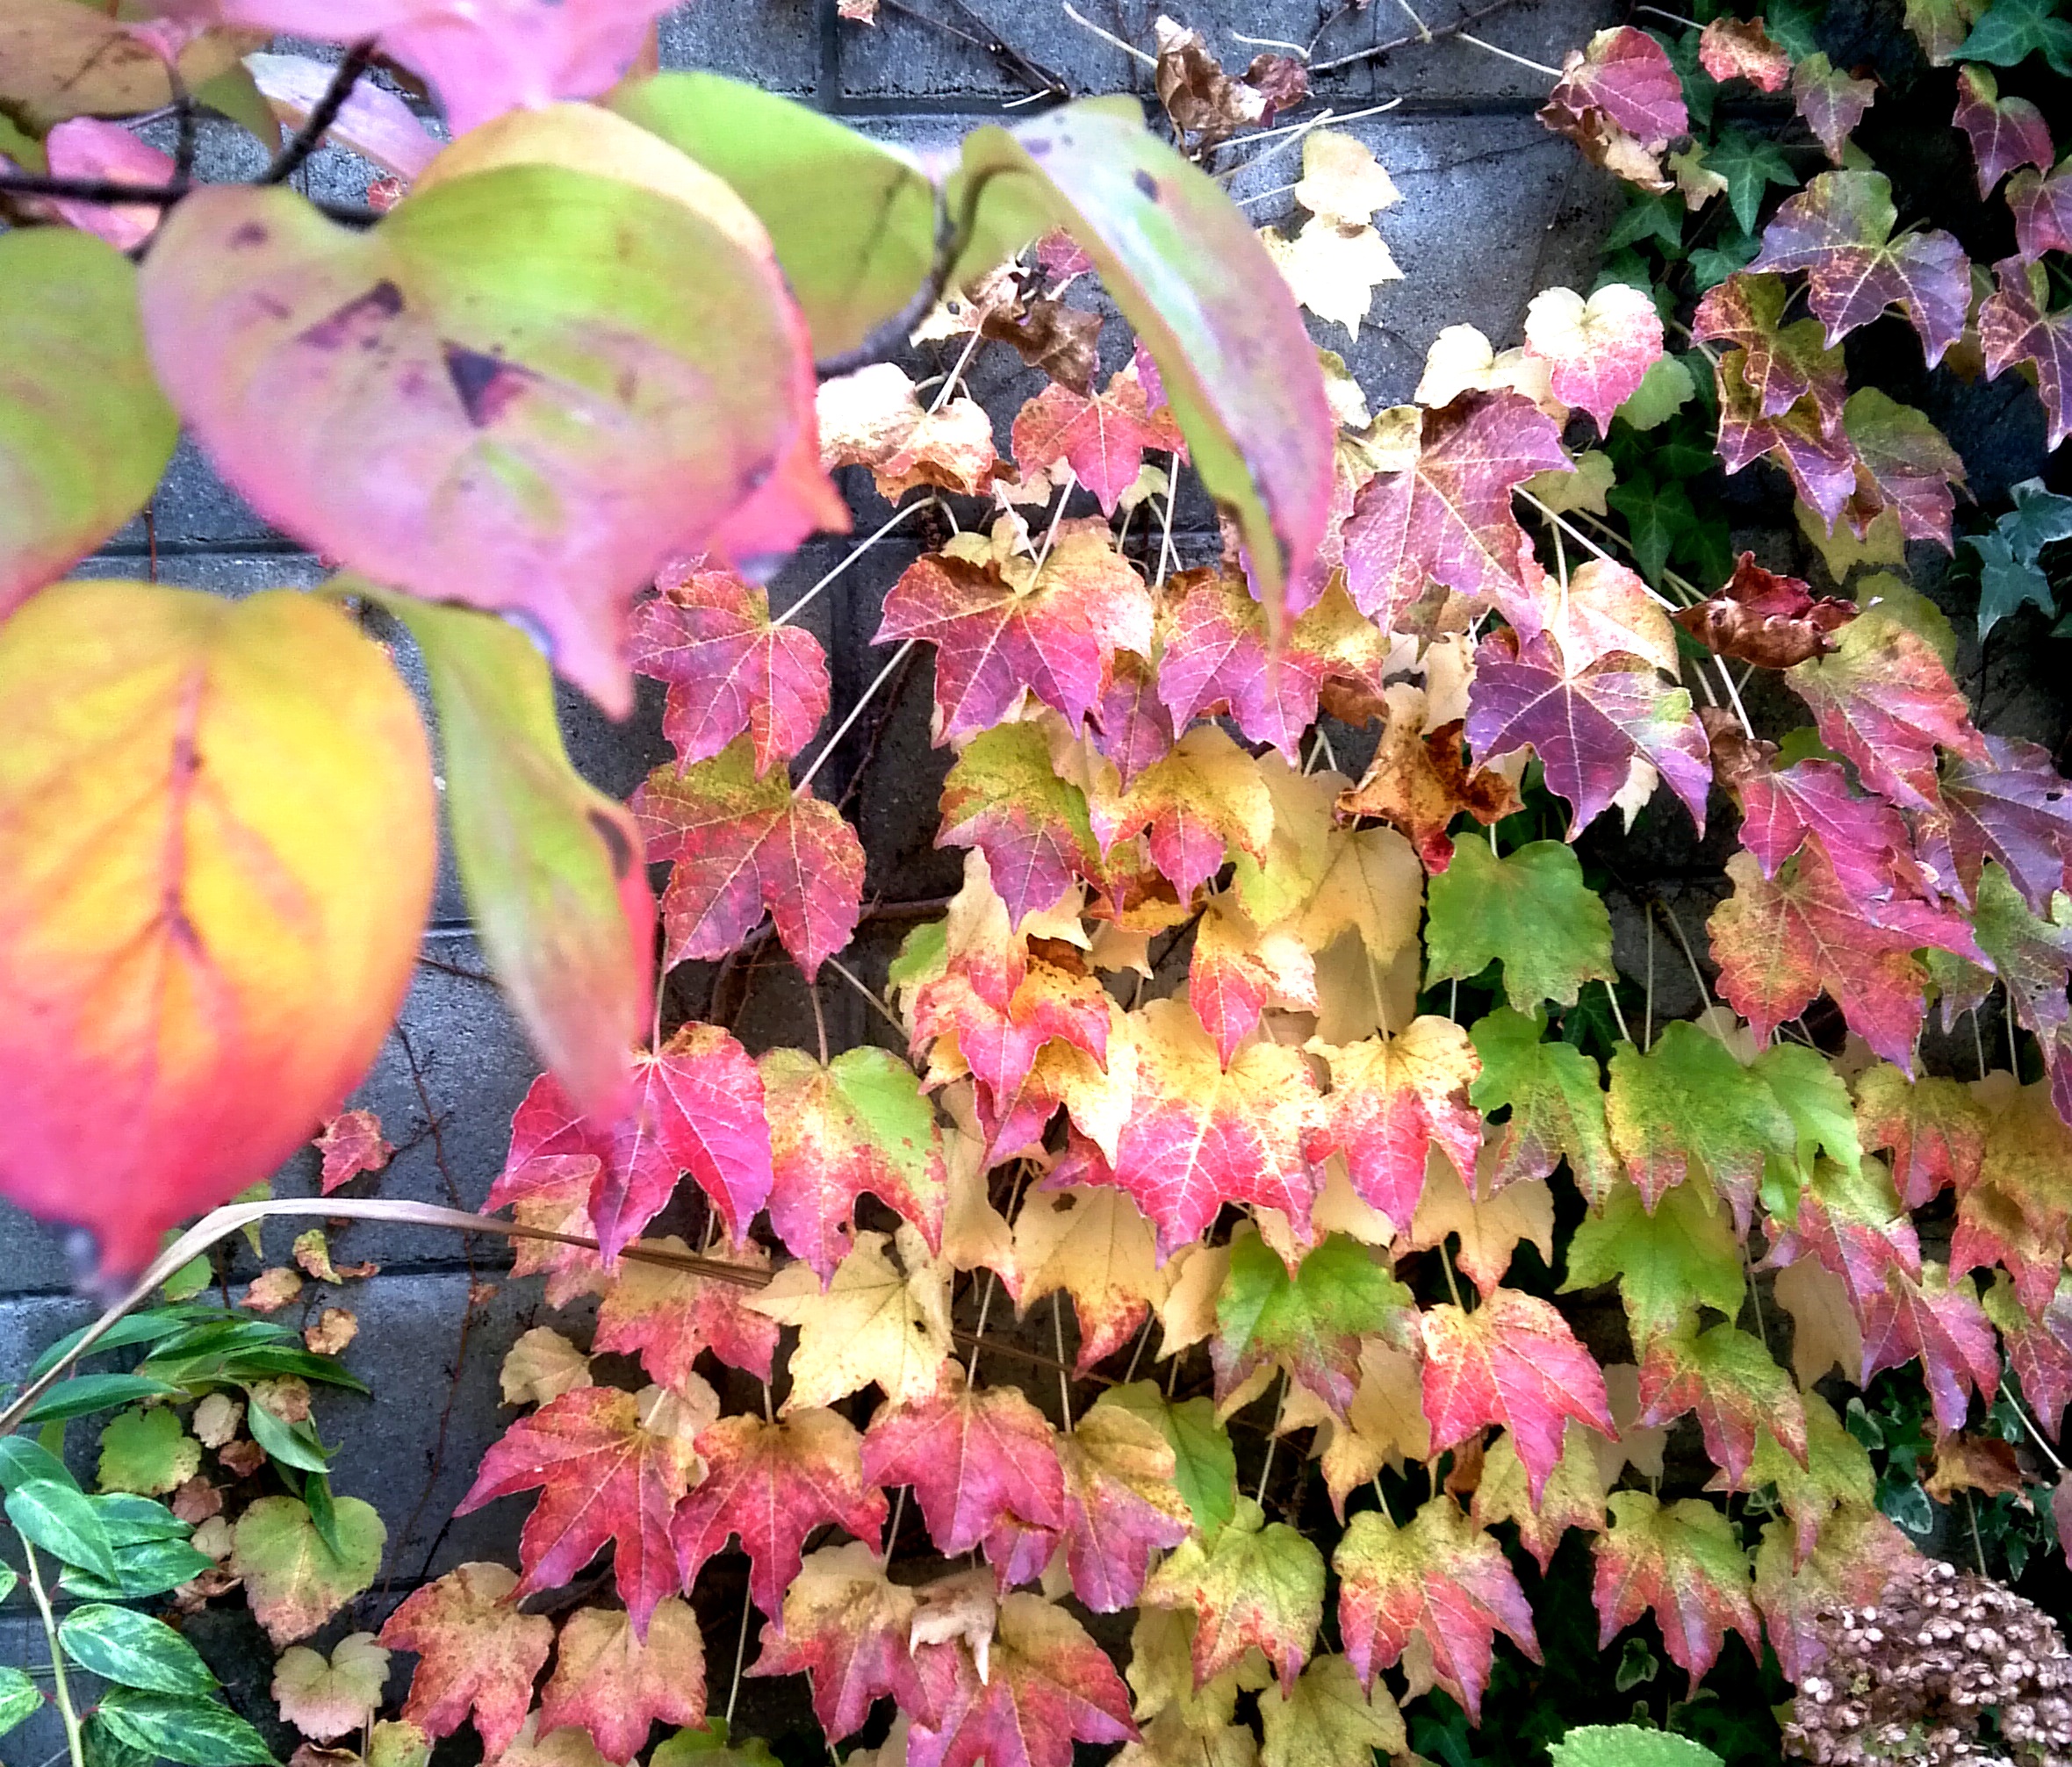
<point x="708" y="635"/>
<point x="740" y="843"/>
<point x="475" y="1650"/>
<point x="1935" y="1129"/>
<point x="1587" y="728"/>
<point x="1101" y="436"/>
<point x="602" y="1475"/>
<point x="1003" y="797"/>
<point x="1628" y="76"/>
<point x="1731" y="48"/>
<point x="1831" y="102"/>
<point x="1864" y="838"/>
<point x="1121" y="1504"/>
<point x="773" y="1484"/>
<point x="2042" y="204"/>
<point x="1781" y="363"/>
<point x="975" y="1456"/>
<point x="1391" y="1100"/>
<point x="1131" y="726"/>
<point x="2039" y="1348"/>
<point x="1903" y="462"/>
<point x="2005" y="133"/>
<point x="2015" y="326"/>
<point x="1597" y="351"/>
<point x="667" y="1316"/>
<point x="1730" y="1380"/>
<point x="616" y="1685"/>
<point x="1939" y="1321"/>
<point x="1681" y="1561"/>
<point x="2015" y="807"/>
<point x="696" y="1107"/>
<point x="352" y="1143"/>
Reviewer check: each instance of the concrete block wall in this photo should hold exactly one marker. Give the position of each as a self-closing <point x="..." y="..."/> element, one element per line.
<point x="1494" y="207"/>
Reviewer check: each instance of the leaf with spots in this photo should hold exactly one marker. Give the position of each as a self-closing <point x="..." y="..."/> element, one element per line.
<point x="1681" y="1562"/>
<point x="1830" y="101"/>
<point x="876" y="1322"/>
<point x="1096" y="1247"/>
<point x="1763" y="618"/>
<point x="1733" y="48"/>
<point x="668" y="1317"/>
<point x="1419" y="782"/>
<point x="1257" y="1584"/>
<point x="476" y="1653"/>
<point x="2017" y="324"/>
<point x="352" y="1143"/>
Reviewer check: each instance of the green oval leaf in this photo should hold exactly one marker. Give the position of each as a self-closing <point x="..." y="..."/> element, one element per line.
<point x="1629" y="1745"/>
<point x="129" y="1519"/>
<point x="132" y="1649"/>
<point x="292" y="1444"/>
<point x="198" y="1733"/>
<point x="23" y="1461"/>
<point x="154" y="1327"/>
<point x="852" y="219"/>
<point x="85" y="431"/>
<point x="19" y="1698"/>
<point x="60" y="1519"/>
<point x="1182" y="262"/>
<point x="76" y="1398"/>
<point x="552" y="868"/>
<point x="151" y="1567"/>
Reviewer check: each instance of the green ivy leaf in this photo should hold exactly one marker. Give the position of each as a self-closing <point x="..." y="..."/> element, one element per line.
<point x="2011" y="31"/>
<point x="2038" y="519"/>
<point x="1685" y="1253"/>
<point x="1688" y="1109"/>
<point x="198" y="1733"/>
<point x="710" y="1746"/>
<point x="1711" y="265"/>
<point x="1658" y="519"/>
<point x="60" y="1519"/>
<point x="2005" y="583"/>
<point x="132" y="1649"/>
<point x="1530" y="911"/>
<point x="1664" y="390"/>
<point x="1646" y="217"/>
<point x="1750" y="164"/>
<point x="146" y="1451"/>
<point x="1206" y="1469"/>
<point x="1823" y="1121"/>
<point x="1556" y="1098"/>
<point x="1629" y="1745"/>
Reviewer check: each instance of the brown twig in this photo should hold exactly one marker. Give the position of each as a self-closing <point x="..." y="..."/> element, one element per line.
<point x="1439" y="34"/>
<point x="289" y="160"/>
<point x="115" y="193"/>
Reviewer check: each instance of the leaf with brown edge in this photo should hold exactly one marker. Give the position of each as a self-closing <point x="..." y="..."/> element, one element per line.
<point x="773" y="1484"/>
<point x="1858" y="1554"/>
<point x="1587" y="726"/>
<point x="1095" y="1246"/>
<point x="1257" y="1584"/>
<point x="1763" y="618"/>
<point x="1419" y="782"/>
<point x="1202" y="800"/>
<point x="1903" y="463"/>
<point x="2017" y="1212"/>
<point x="1047" y="1685"/>
<point x="874" y="419"/>
<point x="553" y="1192"/>
<point x="1779" y="364"/>
<point x="476" y="1653"/>
<point x="1215" y="655"/>
<point x="1513" y="1362"/>
<point x="855" y="1124"/>
<point x="1739" y="48"/>
<point x="2017" y="325"/>
<point x="1965" y="1462"/>
<point x="667" y="1317"/>
<point x="1489" y="1228"/>
<point x="1682" y="1562"/>
<point x="999" y="629"/>
<point x="1003" y="797"/>
<point x="875" y="1322"/>
<point x="1937" y="1320"/>
<point x="1061" y="340"/>
<point x="1101" y="437"/>
<point x="846" y="1628"/>
<point x="975" y="1456"/>
<point x="1200" y="99"/>
<point x="697" y="1106"/>
<point x="2039" y="1349"/>
<point x="1934" y="1129"/>
<point x="2013" y="807"/>
<point x="1122" y="1503"/>
<point x="1449" y="517"/>
<point x="1391" y="1101"/>
<point x="1440" y="1576"/>
<point x="1839" y="230"/>
<point x="1199" y="1135"/>
<point x="1781" y="943"/>
<point x="708" y="634"/>
<point x="2005" y="133"/>
<point x="1597" y="351"/>
<point x="739" y="844"/>
<point x="1728" y="1379"/>
<point x="1831" y="102"/>
<point x="617" y="1686"/>
<point x="352" y="1143"/>
<point x="1837" y="1474"/>
<point x="1235" y="971"/>
<point x="1573" y="1496"/>
<point x="602" y="1475"/>
<point x="1620" y="100"/>
<point x="1808" y="445"/>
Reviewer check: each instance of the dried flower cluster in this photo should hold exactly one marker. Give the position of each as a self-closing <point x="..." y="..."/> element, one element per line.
<point x="1918" y="1674"/>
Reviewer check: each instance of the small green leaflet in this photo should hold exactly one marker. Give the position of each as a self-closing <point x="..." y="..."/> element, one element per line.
<point x="1554" y="1096"/>
<point x="1628" y="1745"/>
<point x="1750" y="164"/>
<point x="23" y="1462"/>
<point x="19" y="1698"/>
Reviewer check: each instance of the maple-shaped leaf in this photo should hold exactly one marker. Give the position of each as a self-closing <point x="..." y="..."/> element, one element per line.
<point x="998" y="630"/>
<point x="1047" y="1684"/>
<point x="1837" y="1473"/>
<point x="1839" y="230"/>
<point x="1328" y="1721"/>
<point x="2042" y="204"/>
<point x="1096" y="1246"/>
<point x="1512" y="1361"/>
<point x="352" y="1143"/>
<point x="1332" y="267"/>
<point x="2039" y="1347"/>
<point x="710" y="636"/>
<point x="1728" y="1379"/>
<point x="602" y="1475"/>
<point x="667" y="1316"/>
<point x="1235" y="971"/>
<point x="1257" y="1584"/>
<point x="2004" y="133"/>
<point x="1556" y="1097"/>
<point x="1620" y="100"/>
<point x="1684" y="1251"/>
<point x="1311" y="1322"/>
<point x="1689" y="1110"/>
<point x="1854" y="1222"/>
<point x="856" y="1124"/>
<point x="1780" y="942"/>
<point x="1101" y="436"/>
<point x="616" y="1685"/>
<point x="1858" y="1554"/>
<point x="1809" y="445"/>
<point x="2017" y="324"/>
<point x="1199" y="1135"/>
<point x="1682" y="1562"/>
<point x="476" y="1653"/>
<point x="1122" y="1503"/>
<point x="2014" y="807"/>
<point x="1739" y="48"/>
<point x="695" y="1107"/>
<point x="1449" y="517"/>
<point x="1830" y="101"/>
<point x="1204" y="1470"/>
<point x="847" y="1627"/>
<point x="553" y="1192"/>
<point x="1489" y="1229"/>
<point x="1605" y="610"/>
<point x="1393" y="1099"/>
<point x="1131" y="726"/>
<point x="1420" y="781"/>
<point x="874" y="418"/>
<point x="1938" y="1319"/>
<point x="1206" y="798"/>
<point x="1529" y="910"/>
<point x="1216" y="655"/>
<point x="1441" y="1578"/>
<point x="1934" y="1129"/>
<point x="975" y="1456"/>
<point x="1005" y="798"/>
<point x="1588" y="728"/>
<point x="739" y="844"/>
<point x="773" y="1484"/>
<point x="1573" y="1496"/>
<point x="2017" y="1212"/>
<point x="1763" y="618"/>
<point x="1903" y="462"/>
<point x="1779" y="364"/>
<point x="875" y="1322"/>
<point x="1597" y="351"/>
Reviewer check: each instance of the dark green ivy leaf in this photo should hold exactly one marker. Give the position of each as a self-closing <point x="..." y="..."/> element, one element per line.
<point x="1750" y="164"/>
<point x="2011" y="31"/>
<point x="2005" y="583"/>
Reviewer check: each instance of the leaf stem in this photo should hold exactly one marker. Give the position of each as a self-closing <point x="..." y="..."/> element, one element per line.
<point x="1050" y="534"/>
<point x="2030" y="1425"/>
<point x="877" y="1005"/>
<point x="1057" y="1326"/>
<point x="948" y="389"/>
<point x="855" y="712"/>
<point x="1676" y="926"/>
<point x="819" y="1020"/>
<point x="1619" y="1018"/>
<point x="1452" y="1282"/>
<point x="740" y="1656"/>
<point x="1165" y="539"/>
<point x="1590" y="545"/>
<point x="1273" y="1440"/>
<point x="1383" y="1495"/>
<point x="1109" y="36"/>
<point x="1734" y="693"/>
<point x="1523" y="60"/>
<point x="317" y="125"/>
<point x="61" y="1688"/>
<point x="898" y="516"/>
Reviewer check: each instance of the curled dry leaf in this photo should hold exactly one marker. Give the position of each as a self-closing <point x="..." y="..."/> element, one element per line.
<point x="873" y="418"/>
<point x="334" y="1329"/>
<point x="1764" y="618"/>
